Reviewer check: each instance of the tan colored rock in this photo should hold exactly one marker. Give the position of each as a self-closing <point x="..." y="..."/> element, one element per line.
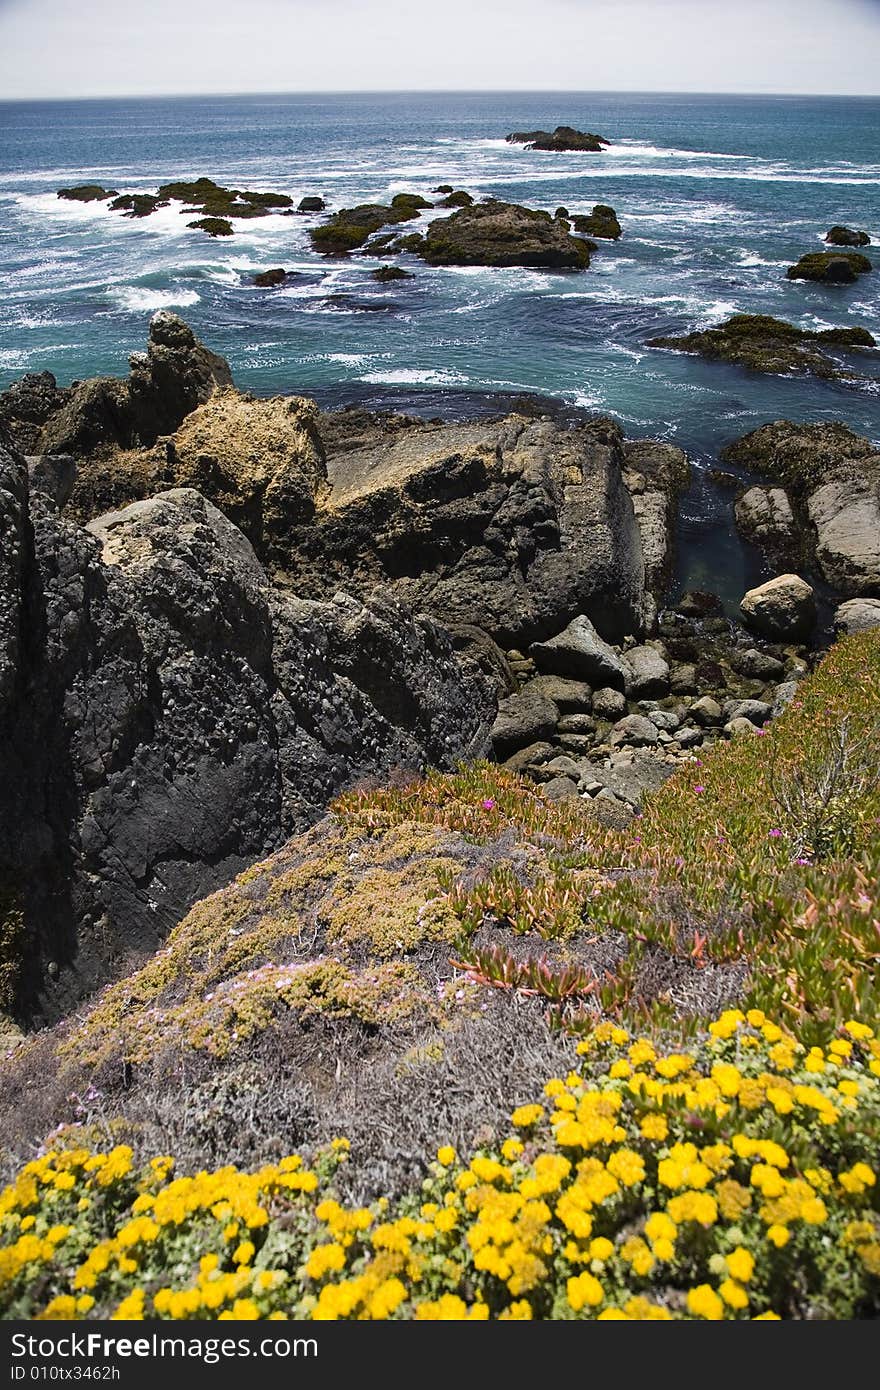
<point x="784" y="607"/>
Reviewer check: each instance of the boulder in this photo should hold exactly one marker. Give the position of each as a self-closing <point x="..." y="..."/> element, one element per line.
<point x="535" y="755"/>
<point x="784" y="694"/>
<point x="801" y="456"/>
<point x="830" y="267"/>
<point x="638" y="772"/>
<point x="738" y="726"/>
<point x="857" y="615"/>
<point x="560" y="789"/>
<point x="53" y="476"/>
<point x="609" y="703"/>
<point x="563" y="138"/>
<point x="167" y="382"/>
<point x="646" y="673"/>
<point x="580" y="652"/>
<point x="783" y="608"/>
<point x="569" y="696"/>
<point x="656" y="474"/>
<point x="846" y="236"/>
<point x="765" y="344"/>
<point x="635" y="730"/>
<point x="757" y="711"/>
<point x="524" y="718"/>
<point x="683" y="678"/>
<point x="386" y="273"/>
<point x="845" y="514"/>
<point x="697" y="603"/>
<point x="476" y="646"/>
<point x="706" y="711"/>
<point x="576" y="724"/>
<point x="764" y="516"/>
<point x="495" y="233"/>
<point x="311" y="204"/>
<point x="757" y="665"/>
<point x="170" y="719"/>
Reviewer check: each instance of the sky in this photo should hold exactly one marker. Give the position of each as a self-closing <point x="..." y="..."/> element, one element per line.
<point x="79" y="48"/>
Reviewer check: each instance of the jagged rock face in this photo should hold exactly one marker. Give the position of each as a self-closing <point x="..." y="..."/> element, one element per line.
<point x="174" y="375"/>
<point x="26" y="406"/>
<point x="260" y="461"/>
<point x="517" y="525"/>
<point x="167" y="719"/>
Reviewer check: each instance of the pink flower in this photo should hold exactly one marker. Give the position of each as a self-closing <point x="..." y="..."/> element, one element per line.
<point x="699" y="789"/>
<point x="775" y="834"/>
<point x="489" y="804"/>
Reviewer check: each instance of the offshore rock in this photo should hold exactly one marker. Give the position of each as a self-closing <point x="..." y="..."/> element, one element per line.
<point x="563" y="138"/>
<point x="495" y="233"/>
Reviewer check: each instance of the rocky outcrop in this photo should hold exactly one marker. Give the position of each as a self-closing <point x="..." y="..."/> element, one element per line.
<point x="166" y="718"/>
<point x="167" y="382"/>
<point x="783" y="608"/>
<point x="26" y="406"/>
<point x="830" y="267"/>
<point x="87" y="193"/>
<point x="846" y="236"/>
<point x="765" y="344"/>
<point x="764" y="516"/>
<point x="845" y="515"/>
<point x="260" y="461"/>
<point x="563" y="138"/>
<point x="601" y="222"/>
<point x="503" y="234"/>
<point x="834" y="476"/>
<point x="655" y="475"/>
<point x="580" y="653"/>
<point x="516" y="525"/>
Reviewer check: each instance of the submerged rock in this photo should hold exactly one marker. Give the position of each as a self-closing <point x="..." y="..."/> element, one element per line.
<point x="830" y="267"/>
<point x="764" y="516"/>
<point x="267" y="279"/>
<point x="503" y="234"/>
<point x="387" y="273"/>
<point x="765" y="344"/>
<point x="564" y="137"/>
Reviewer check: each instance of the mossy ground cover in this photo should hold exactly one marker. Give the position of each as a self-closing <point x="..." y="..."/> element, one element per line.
<point x="730" y="1175"/>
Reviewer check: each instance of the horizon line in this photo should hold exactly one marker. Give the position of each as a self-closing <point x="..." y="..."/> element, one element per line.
<point x="440" y="91"/>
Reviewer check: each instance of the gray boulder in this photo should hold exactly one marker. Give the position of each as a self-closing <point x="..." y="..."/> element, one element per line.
<point x="738" y="726"/>
<point x="756" y="711"/>
<point x="524" y="718"/>
<point x="706" y="711"/>
<point x="757" y="665"/>
<point x="635" y="730"/>
<point x="857" y="615"/>
<point x="570" y="696"/>
<point x="846" y="515"/>
<point x="578" y="651"/>
<point x="646" y="673"/>
<point x="785" y="693"/>
<point x="783" y="608"/>
<point x="764" y="516"/>
<point x="609" y="703"/>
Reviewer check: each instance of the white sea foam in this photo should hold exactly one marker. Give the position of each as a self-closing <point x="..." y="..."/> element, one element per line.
<point x="135" y="299"/>
<point x="411" y="376"/>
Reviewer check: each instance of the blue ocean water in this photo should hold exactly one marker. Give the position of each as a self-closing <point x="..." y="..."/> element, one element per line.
<point x="717" y="195"/>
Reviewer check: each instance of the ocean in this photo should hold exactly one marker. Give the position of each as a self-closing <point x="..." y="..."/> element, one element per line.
<point x="716" y="195"/>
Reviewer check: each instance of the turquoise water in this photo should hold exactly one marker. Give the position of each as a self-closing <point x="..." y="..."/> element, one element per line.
<point x="717" y="195"/>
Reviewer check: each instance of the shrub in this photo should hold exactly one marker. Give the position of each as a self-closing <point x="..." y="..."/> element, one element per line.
<point x="733" y="1181"/>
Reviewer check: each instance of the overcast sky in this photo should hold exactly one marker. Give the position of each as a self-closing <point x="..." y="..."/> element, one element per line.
<point x="59" y="48"/>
